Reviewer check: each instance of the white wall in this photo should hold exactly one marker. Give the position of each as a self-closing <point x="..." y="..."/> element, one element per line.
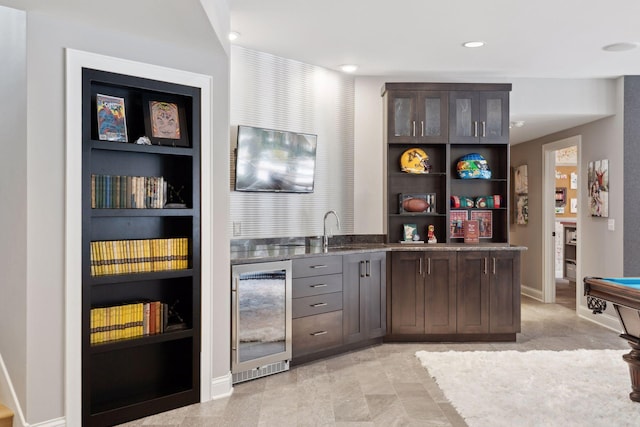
<point x="13" y="193"/>
<point x="600" y="250"/>
<point x="41" y="168"/>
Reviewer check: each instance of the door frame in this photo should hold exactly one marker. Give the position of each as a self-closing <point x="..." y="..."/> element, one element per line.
<point x="548" y="216"/>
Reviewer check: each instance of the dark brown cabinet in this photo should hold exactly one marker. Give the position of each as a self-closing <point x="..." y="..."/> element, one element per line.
<point x="423" y="293"/>
<point x="479" y="117"/>
<point x="476" y="116"/>
<point x="417" y="116"/>
<point x="364" y="291"/>
<point x="488" y="292"/>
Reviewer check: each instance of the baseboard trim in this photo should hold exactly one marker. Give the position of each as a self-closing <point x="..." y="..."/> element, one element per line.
<point x="58" y="422"/>
<point x="222" y="387"/>
<point x="604" y="319"/>
<point x="536" y="294"/>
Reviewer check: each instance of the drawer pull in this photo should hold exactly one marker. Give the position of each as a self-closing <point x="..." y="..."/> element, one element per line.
<point x="320" y="285"/>
<point x="319" y="304"/>
<point x="315" y="334"/>
<point x="319" y="266"/>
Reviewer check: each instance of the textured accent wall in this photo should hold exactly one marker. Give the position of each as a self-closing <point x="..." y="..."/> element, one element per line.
<point x="631" y="167"/>
<point x="277" y="93"/>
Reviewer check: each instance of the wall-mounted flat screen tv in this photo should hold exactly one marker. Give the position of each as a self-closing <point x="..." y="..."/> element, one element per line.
<point x="276" y="161"/>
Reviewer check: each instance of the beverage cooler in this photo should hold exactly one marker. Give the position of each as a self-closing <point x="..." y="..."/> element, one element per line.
<point x="261" y="319"/>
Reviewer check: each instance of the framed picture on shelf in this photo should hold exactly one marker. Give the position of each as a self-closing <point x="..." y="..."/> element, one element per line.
<point x="456" y="223"/>
<point x="112" y="121"/>
<point x="165" y="120"/>
<point x="485" y="222"/>
<point x="417" y="203"/>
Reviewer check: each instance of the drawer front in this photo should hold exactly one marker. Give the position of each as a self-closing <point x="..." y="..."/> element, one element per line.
<point x="315" y="333"/>
<point x="317" y="285"/>
<point x="316" y="304"/>
<point x="316" y="266"/>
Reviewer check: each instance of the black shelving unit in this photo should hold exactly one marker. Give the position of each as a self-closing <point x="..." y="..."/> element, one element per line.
<point x="135" y="377"/>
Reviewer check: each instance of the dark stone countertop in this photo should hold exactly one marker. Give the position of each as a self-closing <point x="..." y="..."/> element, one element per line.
<point x="252" y="251"/>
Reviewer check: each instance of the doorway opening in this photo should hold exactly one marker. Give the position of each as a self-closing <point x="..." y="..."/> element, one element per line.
<point x="561" y="221"/>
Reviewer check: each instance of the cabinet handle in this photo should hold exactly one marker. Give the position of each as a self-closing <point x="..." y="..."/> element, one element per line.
<point x="421" y="267"/>
<point x="315" y="334"/>
<point x="485" y="265"/>
<point x="319" y="304"/>
<point x="429" y="266"/>
<point x="494" y="266"/>
<point x="475" y="128"/>
<point x="421" y="127"/>
<point x="484" y="128"/>
<point x="414" y="128"/>
<point x="320" y="285"/>
<point x="361" y="268"/>
<point x="319" y="266"/>
<point x="368" y="266"/>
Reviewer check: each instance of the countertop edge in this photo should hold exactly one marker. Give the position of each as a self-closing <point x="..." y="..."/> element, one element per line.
<point x="280" y="254"/>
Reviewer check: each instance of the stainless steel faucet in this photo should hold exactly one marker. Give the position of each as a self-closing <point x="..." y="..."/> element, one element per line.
<point x="325" y="236"/>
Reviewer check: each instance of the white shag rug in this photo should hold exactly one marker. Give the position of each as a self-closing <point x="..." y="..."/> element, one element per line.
<point x="536" y="388"/>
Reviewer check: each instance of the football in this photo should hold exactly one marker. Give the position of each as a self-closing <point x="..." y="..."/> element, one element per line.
<point x="415" y="205"/>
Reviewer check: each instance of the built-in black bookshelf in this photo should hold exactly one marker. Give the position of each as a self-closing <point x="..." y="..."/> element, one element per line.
<point x="130" y="375"/>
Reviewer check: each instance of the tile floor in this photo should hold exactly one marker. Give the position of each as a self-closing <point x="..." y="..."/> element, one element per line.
<point x="377" y="386"/>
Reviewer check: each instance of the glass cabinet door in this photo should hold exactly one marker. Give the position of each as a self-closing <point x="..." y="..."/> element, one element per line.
<point x="494" y="120"/>
<point x="463" y="120"/>
<point x="418" y="117"/>
<point x="402" y="116"/>
<point x="433" y="116"/>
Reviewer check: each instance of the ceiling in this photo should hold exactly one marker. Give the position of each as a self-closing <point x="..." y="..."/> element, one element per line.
<point x="421" y="40"/>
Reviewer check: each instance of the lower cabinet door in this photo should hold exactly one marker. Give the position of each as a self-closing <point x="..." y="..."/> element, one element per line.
<point x="316" y="333"/>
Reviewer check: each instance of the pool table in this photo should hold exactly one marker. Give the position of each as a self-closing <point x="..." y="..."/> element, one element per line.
<point x="624" y="294"/>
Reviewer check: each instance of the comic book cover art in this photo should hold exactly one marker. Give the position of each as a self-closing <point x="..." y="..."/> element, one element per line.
<point x="112" y="124"/>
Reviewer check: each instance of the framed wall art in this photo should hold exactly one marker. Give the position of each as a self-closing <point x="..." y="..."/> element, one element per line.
<point x="165" y="120"/>
<point x="598" y="178"/>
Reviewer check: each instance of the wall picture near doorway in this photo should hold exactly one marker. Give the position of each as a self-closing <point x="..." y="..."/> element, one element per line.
<point x="598" y="179"/>
<point x="521" y="195"/>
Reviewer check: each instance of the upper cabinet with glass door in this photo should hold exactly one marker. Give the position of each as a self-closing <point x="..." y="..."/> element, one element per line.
<point x="479" y="116"/>
<point x="417" y="117"/>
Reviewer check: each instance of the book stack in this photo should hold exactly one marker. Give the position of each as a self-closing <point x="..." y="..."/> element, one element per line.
<point x="138" y="256"/>
<point x="128" y="321"/>
<point x="128" y="192"/>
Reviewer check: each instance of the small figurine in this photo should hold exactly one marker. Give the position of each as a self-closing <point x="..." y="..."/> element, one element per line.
<point x="416" y="237"/>
<point x="431" y="235"/>
<point x="143" y="140"/>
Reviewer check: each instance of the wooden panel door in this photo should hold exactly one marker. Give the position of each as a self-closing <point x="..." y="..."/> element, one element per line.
<point x="364" y="296"/>
<point x="440" y="292"/>
<point x="504" y="292"/>
<point x="494" y="117"/>
<point x="473" y="292"/>
<point x="407" y="293"/>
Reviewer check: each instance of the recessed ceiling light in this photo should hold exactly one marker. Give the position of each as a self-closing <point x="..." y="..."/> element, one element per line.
<point x="620" y="47"/>
<point x="233" y="35"/>
<point x="473" y="44"/>
<point x="349" y="68"/>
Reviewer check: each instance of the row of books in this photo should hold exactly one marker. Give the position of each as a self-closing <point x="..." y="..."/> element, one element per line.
<point x="128" y="321"/>
<point x="128" y="192"/>
<point x="138" y="256"/>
